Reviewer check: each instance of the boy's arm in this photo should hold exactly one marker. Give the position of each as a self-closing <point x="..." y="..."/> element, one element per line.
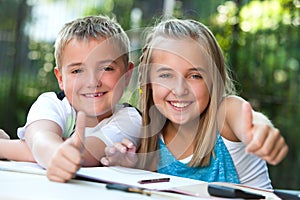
<point x="93" y="151"/>
<point x="43" y="138"/>
<point x="61" y="158"/>
<point x="254" y="129"/>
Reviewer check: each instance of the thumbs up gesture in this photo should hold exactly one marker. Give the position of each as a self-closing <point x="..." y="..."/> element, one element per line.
<point x="68" y="157"/>
<point x="260" y="137"/>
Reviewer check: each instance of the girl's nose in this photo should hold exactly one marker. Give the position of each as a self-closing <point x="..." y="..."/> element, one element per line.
<point x="180" y="88"/>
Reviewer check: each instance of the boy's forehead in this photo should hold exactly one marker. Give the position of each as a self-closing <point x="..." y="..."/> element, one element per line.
<point x="92" y="49"/>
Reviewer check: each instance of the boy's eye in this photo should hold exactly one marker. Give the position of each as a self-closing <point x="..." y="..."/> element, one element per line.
<point x="76" y="71"/>
<point x="108" y="68"/>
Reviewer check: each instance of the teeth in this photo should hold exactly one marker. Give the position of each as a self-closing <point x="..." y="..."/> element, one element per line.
<point x="179" y="104"/>
<point x="94" y="95"/>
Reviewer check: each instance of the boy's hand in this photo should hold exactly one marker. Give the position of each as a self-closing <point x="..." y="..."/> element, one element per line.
<point x="263" y="140"/>
<point x="68" y="158"/>
<point x="122" y="154"/>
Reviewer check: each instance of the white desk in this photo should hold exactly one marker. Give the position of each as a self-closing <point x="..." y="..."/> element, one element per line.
<point x="22" y="186"/>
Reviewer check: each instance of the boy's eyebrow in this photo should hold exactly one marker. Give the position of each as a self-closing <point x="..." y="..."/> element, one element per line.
<point x="74" y="64"/>
<point x="106" y="61"/>
<point x="98" y="63"/>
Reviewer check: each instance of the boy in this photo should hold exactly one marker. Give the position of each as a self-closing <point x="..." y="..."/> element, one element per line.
<point x="92" y="69"/>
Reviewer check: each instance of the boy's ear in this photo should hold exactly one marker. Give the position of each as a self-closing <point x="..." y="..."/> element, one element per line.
<point x="128" y="74"/>
<point x="59" y="77"/>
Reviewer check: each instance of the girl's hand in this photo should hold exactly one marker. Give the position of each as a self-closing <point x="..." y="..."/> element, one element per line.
<point x="263" y="140"/>
<point x="122" y="154"/>
<point x="69" y="156"/>
<point x="4" y="135"/>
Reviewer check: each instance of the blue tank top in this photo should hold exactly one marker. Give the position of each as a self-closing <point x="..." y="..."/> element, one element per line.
<point x="221" y="168"/>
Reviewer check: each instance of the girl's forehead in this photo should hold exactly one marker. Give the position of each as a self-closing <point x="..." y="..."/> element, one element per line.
<point x="175" y="44"/>
<point x="188" y="50"/>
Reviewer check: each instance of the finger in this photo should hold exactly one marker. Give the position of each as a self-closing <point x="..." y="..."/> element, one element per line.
<point x="260" y="133"/>
<point x="278" y="153"/>
<point x="132" y="149"/>
<point x="78" y="136"/>
<point x="280" y="156"/>
<point x="109" y="151"/>
<point x="126" y="142"/>
<point x="247" y="124"/>
<point x="67" y="158"/>
<point x="58" y="175"/>
<point x="271" y="143"/>
<point x="120" y="147"/>
<point x="4" y="135"/>
<point x="104" y="161"/>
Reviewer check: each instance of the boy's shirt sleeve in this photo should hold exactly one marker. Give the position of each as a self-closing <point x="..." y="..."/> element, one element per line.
<point x="126" y="122"/>
<point x="49" y="107"/>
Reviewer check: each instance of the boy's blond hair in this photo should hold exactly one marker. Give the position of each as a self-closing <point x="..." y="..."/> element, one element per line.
<point x="91" y="27"/>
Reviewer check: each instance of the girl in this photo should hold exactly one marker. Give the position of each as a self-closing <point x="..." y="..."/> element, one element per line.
<point x="193" y="124"/>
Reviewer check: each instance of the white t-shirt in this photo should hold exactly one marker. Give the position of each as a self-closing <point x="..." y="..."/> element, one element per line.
<point x="251" y="169"/>
<point x="126" y="122"/>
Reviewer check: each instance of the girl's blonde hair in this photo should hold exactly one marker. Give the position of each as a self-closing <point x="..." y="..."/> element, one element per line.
<point x="221" y="85"/>
<point x="91" y="27"/>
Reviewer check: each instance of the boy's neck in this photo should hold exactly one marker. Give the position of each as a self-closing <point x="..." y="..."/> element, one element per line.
<point x="93" y="121"/>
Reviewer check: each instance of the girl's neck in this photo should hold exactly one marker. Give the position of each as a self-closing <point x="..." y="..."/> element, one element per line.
<point x="179" y="139"/>
<point x="181" y="130"/>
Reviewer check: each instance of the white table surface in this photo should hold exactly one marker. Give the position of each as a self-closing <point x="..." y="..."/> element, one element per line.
<point x="23" y="186"/>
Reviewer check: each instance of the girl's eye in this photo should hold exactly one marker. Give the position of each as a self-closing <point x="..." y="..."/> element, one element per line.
<point x="196" y="76"/>
<point x="165" y="75"/>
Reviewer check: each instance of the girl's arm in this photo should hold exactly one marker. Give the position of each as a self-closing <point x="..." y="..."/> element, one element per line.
<point x="255" y="130"/>
<point x="16" y="150"/>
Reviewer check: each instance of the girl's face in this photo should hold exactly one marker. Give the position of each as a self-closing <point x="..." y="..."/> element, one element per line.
<point x="179" y="77"/>
<point x="93" y="76"/>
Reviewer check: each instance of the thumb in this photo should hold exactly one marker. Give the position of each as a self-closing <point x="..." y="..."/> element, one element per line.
<point x="78" y="136"/>
<point x="247" y="119"/>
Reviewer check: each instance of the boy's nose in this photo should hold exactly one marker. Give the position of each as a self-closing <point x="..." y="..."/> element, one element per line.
<point x="94" y="80"/>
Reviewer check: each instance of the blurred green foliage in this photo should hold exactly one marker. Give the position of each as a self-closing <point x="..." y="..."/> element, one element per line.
<point x="260" y="40"/>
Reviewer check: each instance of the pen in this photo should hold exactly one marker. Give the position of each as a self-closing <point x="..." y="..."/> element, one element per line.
<point x="157" y="180"/>
<point x="126" y="188"/>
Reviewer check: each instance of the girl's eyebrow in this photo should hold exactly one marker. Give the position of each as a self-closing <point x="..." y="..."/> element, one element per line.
<point x="164" y="69"/>
<point x="196" y="69"/>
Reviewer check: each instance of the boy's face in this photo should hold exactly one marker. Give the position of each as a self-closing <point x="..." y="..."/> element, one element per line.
<point x="93" y="76"/>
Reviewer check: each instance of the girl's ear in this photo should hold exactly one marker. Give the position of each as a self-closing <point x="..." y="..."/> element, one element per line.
<point x="59" y="78"/>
